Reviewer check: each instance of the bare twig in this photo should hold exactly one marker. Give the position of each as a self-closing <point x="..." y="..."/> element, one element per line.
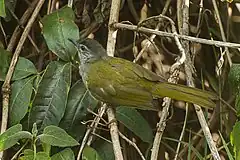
<point x="185" y="37"/>
<point x="162" y="122"/>
<point x="93" y="125"/>
<point x="20" y="150"/>
<point x="133" y="144"/>
<point x="114" y="134"/>
<point x="222" y="31"/>
<point x="29" y="37"/>
<point x="207" y="132"/>
<point x="184" y="30"/>
<point x="189" y="71"/>
<point x="112" y="35"/>
<point x="152" y="37"/>
<point x="182" y="133"/>
<point x="3" y="32"/>
<point x="22" y="22"/>
<point x="112" y="32"/>
<point x="167" y="101"/>
<point x="97" y="135"/>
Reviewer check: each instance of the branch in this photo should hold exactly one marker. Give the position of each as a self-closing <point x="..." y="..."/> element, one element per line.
<point x="166" y="34"/>
<point x="112" y="35"/>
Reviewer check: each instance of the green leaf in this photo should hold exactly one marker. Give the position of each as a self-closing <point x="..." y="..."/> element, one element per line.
<point x="104" y="149"/>
<point x="135" y="122"/>
<point x="56" y="136"/>
<point x="58" y="27"/>
<point x="12" y="136"/>
<point x="29" y="155"/>
<point x="8" y="133"/>
<point x="234" y="77"/>
<point x="23" y="69"/>
<point x="79" y="100"/>
<point x="20" y="99"/>
<point x="235" y="139"/>
<point x="50" y="101"/>
<point x="90" y="153"/>
<point x="234" y="80"/>
<point x="225" y="145"/>
<point x="66" y="154"/>
<point x="2" y="9"/>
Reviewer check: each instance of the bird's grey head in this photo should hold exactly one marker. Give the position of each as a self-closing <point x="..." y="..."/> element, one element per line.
<point x="89" y="50"/>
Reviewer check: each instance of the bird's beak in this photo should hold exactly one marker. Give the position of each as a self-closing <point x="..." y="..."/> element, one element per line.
<point x="74" y="42"/>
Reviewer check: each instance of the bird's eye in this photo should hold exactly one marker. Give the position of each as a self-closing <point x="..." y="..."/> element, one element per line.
<point x="83" y="48"/>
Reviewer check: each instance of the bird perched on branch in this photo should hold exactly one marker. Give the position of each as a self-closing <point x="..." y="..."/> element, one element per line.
<point x="120" y="82"/>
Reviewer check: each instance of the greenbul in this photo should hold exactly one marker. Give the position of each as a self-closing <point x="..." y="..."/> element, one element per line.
<point x="120" y="82"/>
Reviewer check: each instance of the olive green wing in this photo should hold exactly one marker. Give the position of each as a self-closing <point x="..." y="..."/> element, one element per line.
<point x="124" y="95"/>
<point x="133" y="70"/>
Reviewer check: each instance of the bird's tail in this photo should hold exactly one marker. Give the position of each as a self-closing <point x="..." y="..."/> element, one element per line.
<point x="187" y="94"/>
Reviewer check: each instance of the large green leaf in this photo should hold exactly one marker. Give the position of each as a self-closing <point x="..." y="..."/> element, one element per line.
<point x="79" y="100"/>
<point x="135" y="122"/>
<point x="56" y="136"/>
<point x="8" y="133"/>
<point x="58" y="27"/>
<point x="2" y="9"/>
<point x="234" y="80"/>
<point x="50" y="101"/>
<point x="20" y="99"/>
<point x="66" y="154"/>
<point x="23" y="69"/>
<point x="12" y="136"/>
<point x="29" y="155"/>
<point x="234" y="77"/>
<point x="235" y="140"/>
<point x="90" y="153"/>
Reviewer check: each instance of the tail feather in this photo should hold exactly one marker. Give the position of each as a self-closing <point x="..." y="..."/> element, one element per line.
<point x="187" y="94"/>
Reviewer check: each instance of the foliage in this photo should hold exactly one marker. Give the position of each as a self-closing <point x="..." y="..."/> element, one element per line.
<point x="52" y="135"/>
<point x="50" y="108"/>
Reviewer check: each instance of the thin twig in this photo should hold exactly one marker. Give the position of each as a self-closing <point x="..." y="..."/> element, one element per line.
<point x="114" y="134"/>
<point x="22" y="27"/>
<point x="22" y="22"/>
<point x="184" y="30"/>
<point x="132" y="144"/>
<point x="174" y="70"/>
<point x="222" y="31"/>
<point x="112" y="36"/>
<point x="20" y="150"/>
<point x="207" y="132"/>
<point x="90" y="139"/>
<point x="97" y="135"/>
<point x="189" y="71"/>
<point x="185" y="37"/>
<point x="182" y="133"/>
<point x="3" y="32"/>
<point x="152" y="37"/>
<point x="93" y="125"/>
<point x="112" y="32"/>
<point x="189" y="77"/>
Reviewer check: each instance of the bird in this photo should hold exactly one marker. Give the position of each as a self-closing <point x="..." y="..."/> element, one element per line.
<point x="119" y="82"/>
